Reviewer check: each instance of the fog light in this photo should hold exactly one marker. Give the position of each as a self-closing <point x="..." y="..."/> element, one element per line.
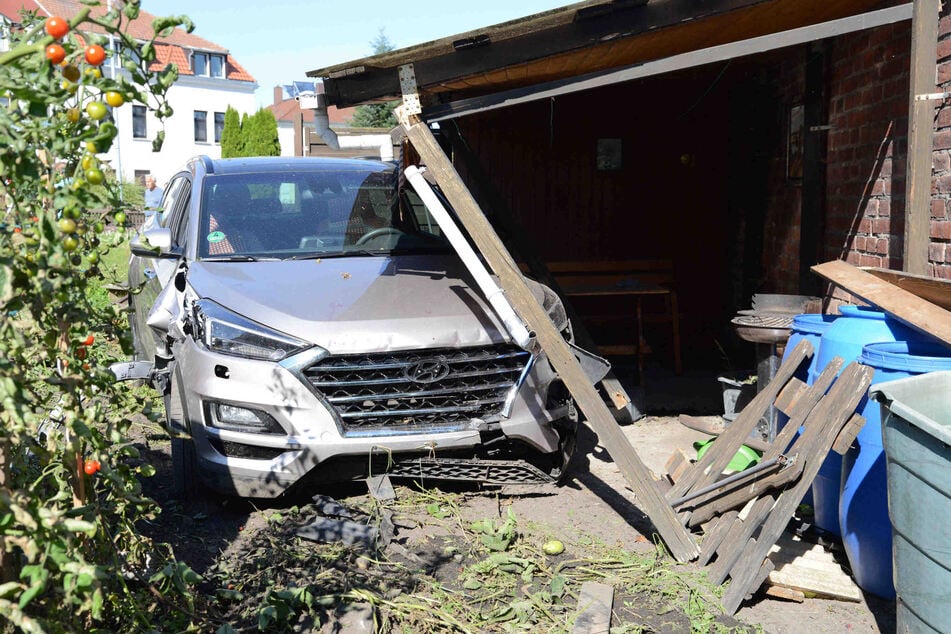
<point x="235" y="418"/>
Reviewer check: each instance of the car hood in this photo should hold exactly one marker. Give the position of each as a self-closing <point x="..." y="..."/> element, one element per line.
<point x="356" y="304"/>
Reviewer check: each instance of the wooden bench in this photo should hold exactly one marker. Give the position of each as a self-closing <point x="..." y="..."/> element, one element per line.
<point x="624" y="280"/>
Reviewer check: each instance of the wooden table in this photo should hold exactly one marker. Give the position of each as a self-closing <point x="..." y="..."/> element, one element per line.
<point x="638" y="290"/>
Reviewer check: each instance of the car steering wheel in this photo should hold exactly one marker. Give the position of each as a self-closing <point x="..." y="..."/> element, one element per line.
<point x="376" y="233"/>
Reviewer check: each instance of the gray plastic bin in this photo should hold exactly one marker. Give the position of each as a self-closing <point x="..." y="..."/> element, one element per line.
<point x="916" y="432"/>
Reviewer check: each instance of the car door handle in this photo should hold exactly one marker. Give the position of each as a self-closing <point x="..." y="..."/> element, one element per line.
<point x="149" y="273"/>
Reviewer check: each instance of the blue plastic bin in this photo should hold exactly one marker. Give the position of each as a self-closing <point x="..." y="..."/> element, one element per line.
<point x="916" y="426"/>
<point x="855" y="327"/>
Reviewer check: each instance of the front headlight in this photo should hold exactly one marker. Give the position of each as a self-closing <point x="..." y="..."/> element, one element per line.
<point x="226" y="332"/>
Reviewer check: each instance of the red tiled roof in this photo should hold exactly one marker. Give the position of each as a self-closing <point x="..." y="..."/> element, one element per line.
<point x="173" y="43"/>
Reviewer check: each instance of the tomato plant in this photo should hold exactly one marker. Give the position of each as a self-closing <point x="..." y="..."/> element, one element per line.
<point x="95" y="54"/>
<point x="56" y="27"/>
<point x="55" y="53"/>
<point x="71" y="557"/>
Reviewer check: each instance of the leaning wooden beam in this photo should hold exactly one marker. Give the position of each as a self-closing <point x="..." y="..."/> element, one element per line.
<point x="650" y="500"/>
<point x="905" y="306"/>
<point x="933" y="289"/>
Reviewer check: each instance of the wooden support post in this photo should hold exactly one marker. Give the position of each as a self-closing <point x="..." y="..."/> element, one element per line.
<point x="675" y="535"/>
<point x="924" y="53"/>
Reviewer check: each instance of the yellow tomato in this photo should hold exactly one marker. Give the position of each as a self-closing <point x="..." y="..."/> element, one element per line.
<point x="72" y="115"/>
<point x="114" y="99"/>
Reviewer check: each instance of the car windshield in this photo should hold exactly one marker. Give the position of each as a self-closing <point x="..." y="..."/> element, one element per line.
<point x="312" y="214"/>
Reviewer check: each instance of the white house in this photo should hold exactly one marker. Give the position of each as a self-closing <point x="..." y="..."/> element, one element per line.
<point x="209" y="81"/>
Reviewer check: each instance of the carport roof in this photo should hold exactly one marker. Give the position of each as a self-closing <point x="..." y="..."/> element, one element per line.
<point x="588" y="37"/>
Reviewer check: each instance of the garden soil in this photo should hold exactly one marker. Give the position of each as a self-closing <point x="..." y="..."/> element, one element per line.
<point x="230" y="541"/>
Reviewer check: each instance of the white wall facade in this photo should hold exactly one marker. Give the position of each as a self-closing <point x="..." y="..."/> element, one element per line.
<point x="285" y="134"/>
<point x="210" y="95"/>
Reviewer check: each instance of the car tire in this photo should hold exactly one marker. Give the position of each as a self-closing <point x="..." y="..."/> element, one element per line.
<point x="184" y="460"/>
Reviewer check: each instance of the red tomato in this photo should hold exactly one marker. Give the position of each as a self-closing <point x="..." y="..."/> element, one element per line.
<point x="88" y="341"/>
<point x="91" y="467"/>
<point x="95" y="54"/>
<point x="55" y="53"/>
<point x="56" y="26"/>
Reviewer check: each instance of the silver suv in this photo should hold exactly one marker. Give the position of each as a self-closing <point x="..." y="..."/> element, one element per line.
<point x="306" y="320"/>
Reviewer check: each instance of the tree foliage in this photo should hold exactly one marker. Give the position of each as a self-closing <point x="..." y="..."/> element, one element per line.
<point x="377" y="115"/>
<point x="231" y="140"/>
<point x="253" y="135"/>
<point x="70" y="496"/>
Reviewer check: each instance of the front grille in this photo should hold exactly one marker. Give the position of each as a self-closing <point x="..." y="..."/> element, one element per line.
<point x="418" y="390"/>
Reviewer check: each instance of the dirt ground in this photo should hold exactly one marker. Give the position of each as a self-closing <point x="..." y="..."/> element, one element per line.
<point x="217" y="536"/>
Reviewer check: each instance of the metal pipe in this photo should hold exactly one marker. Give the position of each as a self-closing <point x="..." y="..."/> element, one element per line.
<point x="763" y="466"/>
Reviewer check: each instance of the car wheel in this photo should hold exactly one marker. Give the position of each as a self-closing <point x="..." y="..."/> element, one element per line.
<point x="184" y="461"/>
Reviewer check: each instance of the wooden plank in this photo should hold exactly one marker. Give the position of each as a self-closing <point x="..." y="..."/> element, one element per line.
<point x="737" y="540"/>
<point x="921" y="124"/>
<point x="708" y="469"/>
<point x="599" y="418"/>
<point x="933" y="289"/>
<point x="595" y="604"/>
<point x="834" y="411"/>
<point x="901" y="304"/>
<point x="714" y="535"/>
<point x="843" y="442"/>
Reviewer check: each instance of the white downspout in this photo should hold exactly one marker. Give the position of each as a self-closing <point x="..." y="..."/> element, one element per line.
<point x="317" y="101"/>
<point x="494" y="294"/>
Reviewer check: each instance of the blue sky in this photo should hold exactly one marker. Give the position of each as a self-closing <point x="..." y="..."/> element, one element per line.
<point x="277" y="41"/>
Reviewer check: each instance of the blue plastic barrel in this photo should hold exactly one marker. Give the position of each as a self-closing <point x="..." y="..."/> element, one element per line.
<point x="845" y="337"/>
<point x="863" y="504"/>
<point x="809" y="326"/>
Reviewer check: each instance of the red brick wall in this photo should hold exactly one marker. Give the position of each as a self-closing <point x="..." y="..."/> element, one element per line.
<point x="867" y="145"/>
<point x="939" y="251"/>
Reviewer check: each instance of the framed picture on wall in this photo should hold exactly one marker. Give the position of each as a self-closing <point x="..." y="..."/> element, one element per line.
<point x="794" y="142"/>
<point x="609" y="154"/>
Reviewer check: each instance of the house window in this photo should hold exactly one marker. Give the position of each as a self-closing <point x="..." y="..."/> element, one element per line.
<point x="208" y="64"/>
<point x="217" y="65"/>
<point x="201" y="126"/>
<point x="140" y="176"/>
<point x="139" y="127"/>
<point x="200" y="63"/>
<point x="219" y="125"/>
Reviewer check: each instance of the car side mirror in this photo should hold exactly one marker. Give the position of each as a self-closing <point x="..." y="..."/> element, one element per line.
<point x="153" y="243"/>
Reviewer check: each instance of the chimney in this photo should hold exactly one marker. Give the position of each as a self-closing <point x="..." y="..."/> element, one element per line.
<point x="278" y="95"/>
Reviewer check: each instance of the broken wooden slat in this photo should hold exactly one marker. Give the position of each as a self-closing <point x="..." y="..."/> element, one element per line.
<point x="739" y="537"/>
<point x="848" y="434"/>
<point x="834" y="410"/>
<point x="714" y="535"/>
<point x="678" y="462"/>
<point x="782" y="592"/>
<point x="595" y="604"/>
<point x="599" y="418"/>
<point x="903" y="305"/>
<point x="789" y="395"/>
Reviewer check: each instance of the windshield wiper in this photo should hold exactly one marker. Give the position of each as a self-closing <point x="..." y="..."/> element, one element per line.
<point x="238" y="258"/>
<point x="339" y="254"/>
